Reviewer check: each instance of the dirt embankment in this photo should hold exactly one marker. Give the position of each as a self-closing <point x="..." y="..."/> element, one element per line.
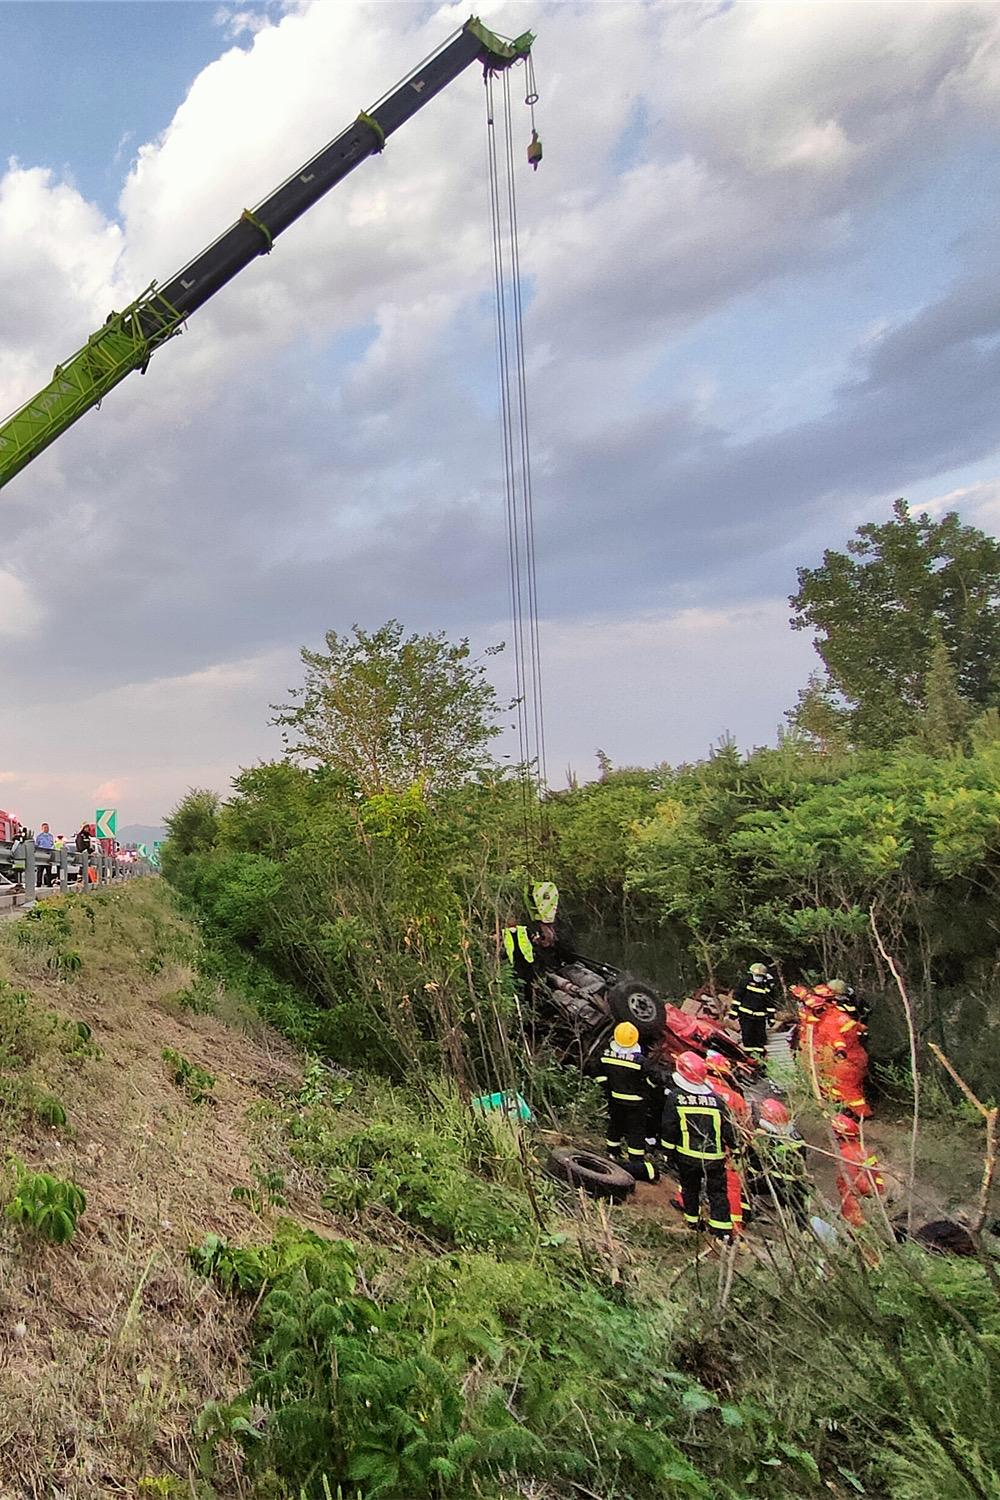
<point x="111" y="1345"/>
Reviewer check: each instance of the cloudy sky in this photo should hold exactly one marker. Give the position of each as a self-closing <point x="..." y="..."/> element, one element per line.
<point x="762" y="302"/>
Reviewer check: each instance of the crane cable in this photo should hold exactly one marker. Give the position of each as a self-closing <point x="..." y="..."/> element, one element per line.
<point x="516" y="455"/>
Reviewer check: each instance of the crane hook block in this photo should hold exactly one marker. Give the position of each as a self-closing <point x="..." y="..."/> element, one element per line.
<point x="534" y="150"/>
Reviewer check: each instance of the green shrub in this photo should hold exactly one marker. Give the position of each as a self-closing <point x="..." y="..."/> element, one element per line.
<point x="66" y="961"/>
<point x="268" y="1193"/>
<point x="420" y="1176"/>
<point x="188" y="1076"/>
<point x="47" y="1204"/>
<point x="50" y="1110"/>
<point x="478" y="1377"/>
<point x="248" y="1268"/>
<point x="200" y="996"/>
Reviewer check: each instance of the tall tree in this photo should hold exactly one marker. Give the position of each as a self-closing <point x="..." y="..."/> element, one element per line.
<point x="817" y="716"/>
<point x="945" y="720"/>
<point x="390" y="711"/>
<point x="193" y="826"/>
<point x="876" y="609"/>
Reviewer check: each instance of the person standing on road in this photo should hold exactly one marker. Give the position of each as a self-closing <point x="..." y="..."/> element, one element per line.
<point x="754" y="1006"/>
<point x="44" y="843"/>
<point x="83" y="841"/>
<point x="696" y="1133"/>
<point x="630" y="1090"/>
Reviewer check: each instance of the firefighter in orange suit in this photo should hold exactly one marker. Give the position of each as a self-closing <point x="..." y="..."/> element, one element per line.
<point x="859" y="1176"/>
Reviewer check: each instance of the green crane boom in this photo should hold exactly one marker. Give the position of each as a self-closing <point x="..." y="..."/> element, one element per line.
<point x="128" y="339"/>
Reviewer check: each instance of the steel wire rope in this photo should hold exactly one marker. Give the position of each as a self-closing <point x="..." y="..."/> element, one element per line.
<point x="513" y="544"/>
<point x="526" y="486"/>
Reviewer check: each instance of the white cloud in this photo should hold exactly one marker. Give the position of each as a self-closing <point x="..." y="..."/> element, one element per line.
<point x="145" y="743"/>
<point x="20" y="611"/>
<point x="256" y="487"/>
<point x="57" y="263"/>
<point x="667" y="686"/>
<point x="978" y="504"/>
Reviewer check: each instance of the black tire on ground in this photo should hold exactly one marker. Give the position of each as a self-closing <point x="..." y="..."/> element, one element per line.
<point x="631" y="1000"/>
<point x="945" y="1237"/>
<point x="597" y="1175"/>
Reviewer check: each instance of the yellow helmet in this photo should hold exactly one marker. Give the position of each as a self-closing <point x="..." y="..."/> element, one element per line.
<point x="626" y="1035"/>
<point x="838" y="986"/>
<point x="545" y="896"/>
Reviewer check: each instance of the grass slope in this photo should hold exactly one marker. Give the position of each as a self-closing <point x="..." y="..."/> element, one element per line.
<point x="109" y="1347"/>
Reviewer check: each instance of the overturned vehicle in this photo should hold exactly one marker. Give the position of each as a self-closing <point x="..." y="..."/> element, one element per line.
<point x="581" y="1000"/>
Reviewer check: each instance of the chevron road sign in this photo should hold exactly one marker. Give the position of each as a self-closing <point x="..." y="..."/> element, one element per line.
<point x="141" y="848"/>
<point x="106" y="822"/>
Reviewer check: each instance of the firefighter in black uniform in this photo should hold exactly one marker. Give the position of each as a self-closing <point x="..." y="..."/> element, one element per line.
<point x="696" y="1132"/>
<point x="631" y="1089"/>
<point x="754" y="1008"/>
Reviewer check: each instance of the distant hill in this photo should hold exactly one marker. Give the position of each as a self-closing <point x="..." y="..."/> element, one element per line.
<point x="140" y="833"/>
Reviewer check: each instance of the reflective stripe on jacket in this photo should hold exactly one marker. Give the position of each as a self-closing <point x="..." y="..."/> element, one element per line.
<point x="626" y="1080"/>
<point x="755" y="1000"/>
<point x="696" y="1125"/>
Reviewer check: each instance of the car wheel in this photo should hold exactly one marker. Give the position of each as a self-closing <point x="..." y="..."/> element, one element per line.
<point x="631" y="1000"/>
<point x="597" y="1175"/>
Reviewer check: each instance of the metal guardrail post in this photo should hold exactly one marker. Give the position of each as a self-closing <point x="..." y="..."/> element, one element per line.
<point x="64" y="869"/>
<point x="29" y="869"/>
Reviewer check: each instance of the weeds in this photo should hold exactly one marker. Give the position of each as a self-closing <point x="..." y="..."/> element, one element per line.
<point x="48" y="1205"/>
<point x="427" y="1168"/>
<point x="187" y="1075"/>
<point x="50" y="1110"/>
<point x="269" y="1192"/>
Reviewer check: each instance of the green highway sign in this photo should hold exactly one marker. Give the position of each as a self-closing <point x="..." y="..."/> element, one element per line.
<point x="143" y="850"/>
<point x="106" y="822"/>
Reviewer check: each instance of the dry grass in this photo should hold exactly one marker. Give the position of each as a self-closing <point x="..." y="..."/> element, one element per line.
<point x="111" y="1345"/>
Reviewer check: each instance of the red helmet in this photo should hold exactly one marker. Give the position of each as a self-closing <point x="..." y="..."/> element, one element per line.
<point x="824" y="990"/>
<point x="846" y="1126"/>
<point x="774" y="1112"/>
<point x="716" y="1062"/>
<point x="814" y="1000"/>
<point x="691" y="1067"/>
<point x="800" y="991"/>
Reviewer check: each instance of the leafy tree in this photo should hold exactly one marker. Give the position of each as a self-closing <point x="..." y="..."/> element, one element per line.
<point x="818" y="716"/>
<point x="591" y="829"/>
<point x="192" y="827"/>
<point x="876" y="607"/>
<point x="390" y="712"/>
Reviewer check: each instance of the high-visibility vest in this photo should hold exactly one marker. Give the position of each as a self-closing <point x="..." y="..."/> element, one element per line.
<point x="518" y="936"/>
<point x="545" y="900"/>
